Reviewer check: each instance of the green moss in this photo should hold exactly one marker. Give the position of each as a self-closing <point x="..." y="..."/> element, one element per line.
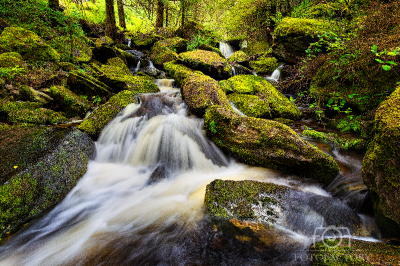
<point x="337" y="141"/>
<point x="251" y="105"/>
<point x="256" y="47"/>
<point x="27" y="44"/>
<point x="95" y="123"/>
<point x="10" y="59"/>
<point x="210" y="63"/>
<point x="179" y="72"/>
<point x="118" y="67"/>
<point x="288" y="122"/>
<point x="161" y="54"/>
<point x="176" y="44"/>
<point x="103" y="40"/>
<point x="269" y="144"/>
<point x="66" y="66"/>
<point x="238" y="56"/>
<point x="113" y="77"/>
<point x="31" y="95"/>
<point x="264" y="65"/>
<point x="84" y="84"/>
<point x="71" y="104"/>
<point x="301" y="26"/>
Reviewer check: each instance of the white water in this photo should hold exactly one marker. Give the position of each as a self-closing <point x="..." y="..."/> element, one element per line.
<point x="276" y="74"/>
<point x="166" y="84"/>
<point x="226" y="49"/>
<point x="119" y="213"/>
<point x="137" y="67"/>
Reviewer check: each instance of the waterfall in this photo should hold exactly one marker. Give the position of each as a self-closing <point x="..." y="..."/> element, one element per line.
<point x="165" y="84"/>
<point x="233" y="71"/>
<point x="151" y="65"/>
<point x="275" y="75"/>
<point x="226" y="49"/>
<point x="129" y="42"/>
<point x="137" y="67"/>
<point x="236" y="109"/>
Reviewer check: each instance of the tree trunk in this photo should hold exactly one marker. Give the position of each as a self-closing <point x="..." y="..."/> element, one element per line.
<point x="160" y="14"/>
<point x="166" y="15"/>
<point x="183" y="16"/>
<point x="111" y="28"/>
<point x="54" y="4"/>
<point x="121" y="14"/>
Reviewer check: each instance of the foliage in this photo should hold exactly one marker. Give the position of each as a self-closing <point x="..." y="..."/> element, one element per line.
<point x="9" y="74"/>
<point x="198" y="40"/>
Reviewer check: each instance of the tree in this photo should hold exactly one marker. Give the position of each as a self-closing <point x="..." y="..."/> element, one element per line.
<point x="160" y="14"/>
<point x="111" y="28"/>
<point x="54" y="4"/>
<point x="121" y="14"/>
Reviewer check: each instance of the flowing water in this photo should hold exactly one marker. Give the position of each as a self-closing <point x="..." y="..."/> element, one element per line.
<point x="276" y="74"/>
<point x="226" y="49"/>
<point x="141" y="199"/>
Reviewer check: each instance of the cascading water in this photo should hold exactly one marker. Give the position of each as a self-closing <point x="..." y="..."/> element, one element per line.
<point x="226" y="49"/>
<point x="141" y="199"/>
<point x="137" y="67"/>
<point x="276" y="74"/>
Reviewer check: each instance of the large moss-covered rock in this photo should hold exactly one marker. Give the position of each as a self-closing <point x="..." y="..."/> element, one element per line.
<point x="176" y="44"/>
<point x="201" y="91"/>
<point x="161" y="54"/>
<point x="238" y="56"/>
<point x="381" y="166"/>
<point x="50" y="162"/>
<point x="264" y="65"/>
<point x="145" y="41"/>
<point x="210" y="63"/>
<point x="71" y="104"/>
<point x="27" y="44"/>
<point x="84" y="84"/>
<point x="10" y="59"/>
<point x="179" y="72"/>
<point x="97" y="120"/>
<point x="355" y="252"/>
<point x="27" y="112"/>
<point x="267" y="143"/>
<point x="279" y="105"/>
<point x="294" y="35"/>
<point x="116" y="62"/>
<point x="251" y="105"/>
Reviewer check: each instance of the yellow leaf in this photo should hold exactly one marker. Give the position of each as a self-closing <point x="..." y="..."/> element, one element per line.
<point x="15" y="166"/>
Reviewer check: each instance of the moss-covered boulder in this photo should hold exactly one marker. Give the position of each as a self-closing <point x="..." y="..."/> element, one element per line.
<point x="210" y="63"/>
<point x="70" y="103"/>
<point x="294" y="35"/>
<point x="257" y="47"/>
<point x="355" y="252"/>
<point x="238" y="56"/>
<point x="85" y="84"/>
<point x="200" y="92"/>
<point x="27" y="112"/>
<point x="251" y="105"/>
<point x="44" y="165"/>
<point x="116" y="62"/>
<point x="207" y="47"/>
<point x="179" y="72"/>
<point x="345" y="143"/>
<point x="10" y="59"/>
<point x="264" y="65"/>
<point x="97" y="120"/>
<point x="279" y="105"/>
<point x="161" y="54"/>
<point x="29" y="94"/>
<point x="381" y="166"/>
<point x="176" y="44"/>
<point x="30" y="46"/>
<point x="145" y="41"/>
<point x="268" y="143"/>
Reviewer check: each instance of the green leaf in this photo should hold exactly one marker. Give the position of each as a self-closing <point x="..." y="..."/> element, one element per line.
<point x="379" y="61"/>
<point x="386" y="67"/>
<point x="391" y="62"/>
<point x="391" y="53"/>
<point x="330" y="101"/>
<point x="343" y="102"/>
<point x="374" y="48"/>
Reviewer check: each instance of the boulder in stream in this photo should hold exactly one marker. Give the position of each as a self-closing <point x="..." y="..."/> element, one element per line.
<point x="210" y="63"/>
<point x="381" y="166"/>
<point x="251" y="105"/>
<point x="264" y="65"/>
<point x="39" y="166"/>
<point x="269" y="144"/>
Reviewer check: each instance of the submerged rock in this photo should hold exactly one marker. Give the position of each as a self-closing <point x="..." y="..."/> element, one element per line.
<point x="381" y="166"/>
<point x="294" y="35"/>
<point x="97" y="120"/>
<point x="210" y="63"/>
<point x="29" y="45"/>
<point x="268" y="143"/>
<point x="279" y="105"/>
<point x="200" y="92"/>
<point x="49" y="163"/>
<point x="71" y="104"/>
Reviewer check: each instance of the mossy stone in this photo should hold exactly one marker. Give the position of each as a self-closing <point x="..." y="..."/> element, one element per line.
<point x="72" y="105"/>
<point x="115" y="79"/>
<point x="176" y="44"/>
<point x="345" y="143"/>
<point x="264" y="65"/>
<point x="10" y="59"/>
<point x="32" y="95"/>
<point x="97" y="120"/>
<point x="238" y="56"/>
<point x="85" y="84"/>
<point x="179" y="72"/>
<point x="29" y="45"/>
<point x="210" y="63"/>
<point x="161" y="54"/>
<point x="251" y="105"/>
<point x="80" y="51"/>
<point x="268" y="143"/>
<point x="381" y="166"/>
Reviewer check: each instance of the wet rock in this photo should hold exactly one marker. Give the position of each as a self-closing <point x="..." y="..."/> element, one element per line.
<point x="210" y="63"/>
<point x="85" y="84"/>
<point x="251" y="105"/>
<point x="268" y="143"/>
<point x="381" y="171"/>
<point x="241" y="70"/>
<point x="46" y="163"/>
<point x="353" y="252"/>
<point x="210" y="48"/>
<point x="28" y="112"/>
<point x="294" y="35"/>
<point x="200" y="92"/>
<point x="70" y="103"/>
<point x="97" y="120"/>
<point x="179" y="72"/>
<point x="345" y="143"/>
<point x="30" y="46"/>
<point x="279" y="105"/>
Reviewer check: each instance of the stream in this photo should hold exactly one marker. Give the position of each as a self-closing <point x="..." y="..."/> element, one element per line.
<point x="141" y="201"/>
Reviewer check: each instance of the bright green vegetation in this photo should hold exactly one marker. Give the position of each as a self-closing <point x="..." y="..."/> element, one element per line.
<point x="10" y="59"/>
<point x="179" y="72"/>
<point x="251" y="105"/>
<point x="269" y="144"/>
<point x="161" y="54"/>
<point x="264" y="65"/>
<point x="336" y="141"/>
<point x="238" y="56"/>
